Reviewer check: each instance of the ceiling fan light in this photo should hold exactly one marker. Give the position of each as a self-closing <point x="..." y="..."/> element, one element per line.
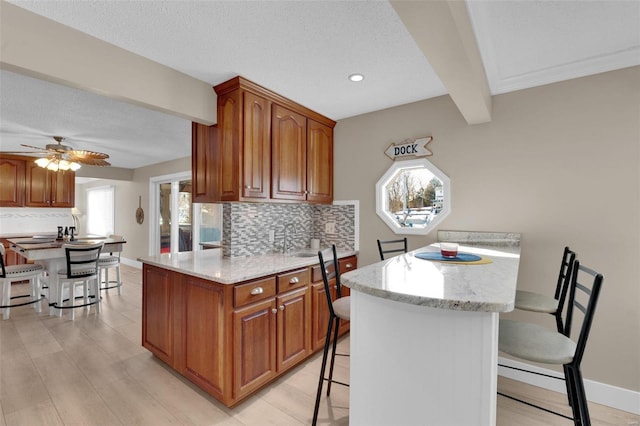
<point x="74" y="166"/>
<point x="53" y="166"/>
<point x="64" y="165"/>
<point x="42" y="162"/>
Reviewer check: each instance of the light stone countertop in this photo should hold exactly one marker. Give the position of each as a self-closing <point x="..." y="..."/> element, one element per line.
<point x="211" y="265"/>
<point x="408" y="279"/>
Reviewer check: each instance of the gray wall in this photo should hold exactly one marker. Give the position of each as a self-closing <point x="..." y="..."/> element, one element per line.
<point x="558" y="164"/>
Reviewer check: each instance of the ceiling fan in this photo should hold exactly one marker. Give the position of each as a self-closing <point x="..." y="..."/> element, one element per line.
<point x="63" y="157"/>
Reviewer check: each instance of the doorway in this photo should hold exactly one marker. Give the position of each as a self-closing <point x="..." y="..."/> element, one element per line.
<point x="171" y="218"/>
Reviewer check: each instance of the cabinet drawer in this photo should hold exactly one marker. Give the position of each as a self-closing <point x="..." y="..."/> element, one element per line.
<point x="254" y="291"/>
<point x="347" y="264"/>
<point x="291" y="280"/>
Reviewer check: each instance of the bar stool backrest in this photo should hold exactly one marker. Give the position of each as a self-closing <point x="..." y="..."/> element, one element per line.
<point x="82" y="260"/>
<point x="2" y="252"/>
<point x="329" y="267"/>
<point x="563" y="284"/>
<point x="392" y="246"/>
<point x="583" y="295"/>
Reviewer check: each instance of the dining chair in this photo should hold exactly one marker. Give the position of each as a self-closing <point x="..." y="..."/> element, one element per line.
<point x="82" y="269"/>
<point x="392" y="246"/>
<point x="110" y="261"/>
<point x="16" y="273"/>
<point x="536" y="302"/>
<point x="532" y="342"/>
<point x="339" y="308"/>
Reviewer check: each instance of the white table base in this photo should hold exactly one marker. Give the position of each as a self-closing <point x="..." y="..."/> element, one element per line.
<point x="414" y="365"/>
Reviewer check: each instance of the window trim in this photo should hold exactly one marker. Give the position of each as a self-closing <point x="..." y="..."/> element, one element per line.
<point x="382" y="204"/>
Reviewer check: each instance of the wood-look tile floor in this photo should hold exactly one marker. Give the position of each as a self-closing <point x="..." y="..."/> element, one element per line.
<point x="94" y="371"/>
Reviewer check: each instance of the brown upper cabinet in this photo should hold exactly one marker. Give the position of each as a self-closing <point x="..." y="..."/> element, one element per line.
<point x="45" y="188"/>
<point x="265" y="147"/>
<point x="205" y="176"/>
<point x="25" y="184"/>
<point x="12" y="173"/>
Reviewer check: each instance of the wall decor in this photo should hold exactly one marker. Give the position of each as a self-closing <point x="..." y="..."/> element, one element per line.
<point x="139" y="211"/>
<point x="410" y="148"/>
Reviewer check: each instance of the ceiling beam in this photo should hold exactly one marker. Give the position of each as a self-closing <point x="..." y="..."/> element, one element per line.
<point x="42" y="48"/>
<point x="443" y="31"/>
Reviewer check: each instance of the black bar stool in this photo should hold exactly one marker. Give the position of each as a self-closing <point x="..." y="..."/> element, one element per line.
<point x="392" y="246"/>
<point x="82" y="270"/>
<point x="17" y="273"/>
<point x="535" y="343"/>
<point x="536" y="302"/>
<point x="340" y="308"/>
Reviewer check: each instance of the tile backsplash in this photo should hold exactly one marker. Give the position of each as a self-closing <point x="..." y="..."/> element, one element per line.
<point x="247" y="227"/>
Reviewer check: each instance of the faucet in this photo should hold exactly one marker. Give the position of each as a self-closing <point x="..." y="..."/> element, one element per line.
<point x="285" y="246"/>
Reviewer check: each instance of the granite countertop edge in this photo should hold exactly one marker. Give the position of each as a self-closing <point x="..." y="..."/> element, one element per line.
<point x="450" y="304"/>
<point x="396" y="278"/>
<point x="211" y="265"/>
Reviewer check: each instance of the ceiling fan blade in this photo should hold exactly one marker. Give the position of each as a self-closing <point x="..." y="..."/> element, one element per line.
<point x="39" y="148"/>
<point x="25" y="152"/>
<point x="92" y="162"/>
<point x="82" y="154"/>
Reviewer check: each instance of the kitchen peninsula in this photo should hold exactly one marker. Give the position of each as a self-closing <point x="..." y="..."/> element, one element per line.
<point x="424" y="341"/>
<point x="231" y="325"/>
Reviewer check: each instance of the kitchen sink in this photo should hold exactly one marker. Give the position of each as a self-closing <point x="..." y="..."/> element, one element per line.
<point x="304" y="253"/>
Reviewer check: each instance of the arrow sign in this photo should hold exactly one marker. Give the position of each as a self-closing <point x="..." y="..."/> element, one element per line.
<point x="415" y="148"/>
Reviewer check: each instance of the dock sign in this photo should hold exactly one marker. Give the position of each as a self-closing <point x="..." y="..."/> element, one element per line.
<point x="412" y="148"/>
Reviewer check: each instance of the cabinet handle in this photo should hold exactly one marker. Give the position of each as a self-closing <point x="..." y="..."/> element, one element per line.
<point x="247" y="187"/>
<point x="306" y="192"/>
<point x="294" y="280"/>
<point x="274" y="311"/>
<point x="348" y="266"/>
<point x="281" y="307"/>
<point x="257" y="290"/>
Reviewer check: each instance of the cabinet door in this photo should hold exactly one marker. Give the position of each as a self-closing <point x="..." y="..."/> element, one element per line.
<point x="157" y="312"/>
<point x="256" y="147"/>
<point x="200" y="348"/>
<point x="289" y="155"/>
<point x="203" y="166"/>
<point x="38" y="186"/>
<point x="294" y="331"/>
<point x="319" y="163"/>
<point x="12" y="175"/>
<point x="320" y="314"/>
<point x="63" y="184"/>
<point x="229" y="126"/>
<point x="254" y="346"/>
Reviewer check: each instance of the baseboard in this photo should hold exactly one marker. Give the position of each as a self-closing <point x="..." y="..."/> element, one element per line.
<point x="130" y="262"/>
<point x="600" y="393"/>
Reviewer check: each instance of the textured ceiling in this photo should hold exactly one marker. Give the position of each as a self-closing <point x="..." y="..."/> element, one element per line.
<point x="303" y="50"/>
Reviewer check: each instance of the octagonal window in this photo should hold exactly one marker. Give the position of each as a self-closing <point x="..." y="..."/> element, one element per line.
<point x="413" y="196"/>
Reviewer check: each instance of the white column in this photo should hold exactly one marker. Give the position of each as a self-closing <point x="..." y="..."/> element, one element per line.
<point x="414" y="365"/>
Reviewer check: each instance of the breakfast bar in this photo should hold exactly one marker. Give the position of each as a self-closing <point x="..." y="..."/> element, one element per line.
<point x="424" y="336"/>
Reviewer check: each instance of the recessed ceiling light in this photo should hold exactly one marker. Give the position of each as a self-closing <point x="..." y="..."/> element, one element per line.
<point x="356" y="77"/>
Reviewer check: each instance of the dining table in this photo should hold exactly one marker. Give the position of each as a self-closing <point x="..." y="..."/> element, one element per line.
<point x="424" y="335"/>
<point x="49" y="252"/>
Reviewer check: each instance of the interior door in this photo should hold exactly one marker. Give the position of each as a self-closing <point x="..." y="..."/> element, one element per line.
<point x="172" y="221"/>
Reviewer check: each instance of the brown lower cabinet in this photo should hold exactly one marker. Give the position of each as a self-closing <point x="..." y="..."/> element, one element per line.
<point x="231" y="340"/>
